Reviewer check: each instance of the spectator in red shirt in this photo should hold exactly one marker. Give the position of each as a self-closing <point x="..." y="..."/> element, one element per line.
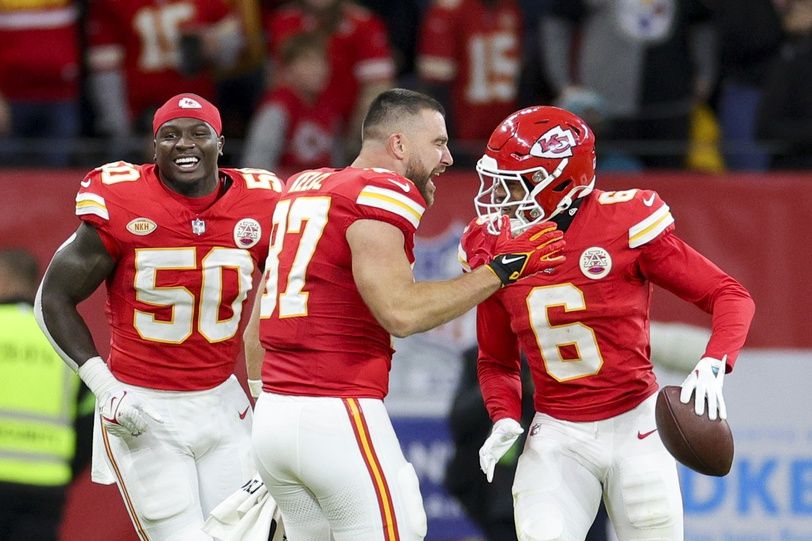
<point x="39" y="77"/>
<point x="296" y="125"/>
<point x="361" y="64"/>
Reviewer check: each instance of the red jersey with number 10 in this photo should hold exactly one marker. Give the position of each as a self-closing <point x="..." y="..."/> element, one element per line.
<point x="319" y="336"/>
<point x="175" y="300"/>
<point x="584" y="327"/>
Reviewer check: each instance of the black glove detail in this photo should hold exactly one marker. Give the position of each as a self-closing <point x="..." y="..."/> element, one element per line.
<point x="508" y="267"/>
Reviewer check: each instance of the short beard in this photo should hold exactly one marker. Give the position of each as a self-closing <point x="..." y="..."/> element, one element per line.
<point x="419" y="176"/>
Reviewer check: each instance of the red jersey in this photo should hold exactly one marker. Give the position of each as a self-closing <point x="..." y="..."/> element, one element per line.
<point x="476" y="48"/>
<point x="311" y="129"/>
<point x="584" y="327"/>
<point x="319" y="336"/>
<point x="175" y="299"/>
<point x="39" y="51"/>
<point x="143" y="38"/>
<point x="358" y="50"/>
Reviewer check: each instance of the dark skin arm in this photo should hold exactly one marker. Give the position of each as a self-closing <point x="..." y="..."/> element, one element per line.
<point x="75" y="272"/>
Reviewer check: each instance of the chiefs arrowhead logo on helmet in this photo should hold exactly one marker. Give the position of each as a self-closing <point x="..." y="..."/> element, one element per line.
<point x="555" y="143"/>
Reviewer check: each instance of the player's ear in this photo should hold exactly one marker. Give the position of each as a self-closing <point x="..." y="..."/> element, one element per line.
<point x="395" y="145"/>
<point x="221" y="141"/>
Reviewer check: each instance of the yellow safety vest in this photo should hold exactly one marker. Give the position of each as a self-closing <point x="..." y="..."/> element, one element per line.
<point x="37" y="404"/>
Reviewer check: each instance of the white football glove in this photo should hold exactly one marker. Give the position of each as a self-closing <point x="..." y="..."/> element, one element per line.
<point x="706" y="380"/>
<point x="124" y="414"/>
<point x="503" y="436"/>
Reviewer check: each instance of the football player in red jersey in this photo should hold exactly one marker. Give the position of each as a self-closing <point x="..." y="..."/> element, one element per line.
<point x="584" y="327"/>
<point x="176" y="243"/>
<point x="339" y="283"/>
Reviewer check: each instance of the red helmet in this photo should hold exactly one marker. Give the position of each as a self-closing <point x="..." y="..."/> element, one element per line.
<point x="547" y="151"/>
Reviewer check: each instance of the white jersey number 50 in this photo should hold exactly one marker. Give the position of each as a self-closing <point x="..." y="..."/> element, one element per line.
<point x="149" y="262"/>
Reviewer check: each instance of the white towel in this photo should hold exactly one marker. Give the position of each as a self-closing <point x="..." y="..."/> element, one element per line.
<point x="100" y="471"/>
<point x="246" y="515"/>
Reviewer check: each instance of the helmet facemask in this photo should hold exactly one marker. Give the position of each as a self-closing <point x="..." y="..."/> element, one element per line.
<point x="496" y="199"/>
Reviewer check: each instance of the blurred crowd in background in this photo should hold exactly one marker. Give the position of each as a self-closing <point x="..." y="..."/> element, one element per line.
<point x="709" y="85"/>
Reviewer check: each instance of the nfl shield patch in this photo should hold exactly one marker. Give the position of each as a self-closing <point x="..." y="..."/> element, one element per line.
<point x="198" y="226"/>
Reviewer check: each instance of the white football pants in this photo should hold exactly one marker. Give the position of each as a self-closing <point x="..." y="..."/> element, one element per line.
<point x="334" y="466"/>
<point x="175" y="473"/>
<point x="566" y="467"/>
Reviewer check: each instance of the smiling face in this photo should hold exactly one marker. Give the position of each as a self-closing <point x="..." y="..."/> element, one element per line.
<point x="186" y="152"/>
<point x="429" y="156"/>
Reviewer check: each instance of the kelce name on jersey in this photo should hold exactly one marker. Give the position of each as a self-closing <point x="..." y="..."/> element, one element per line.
<point x="310" y="180"/>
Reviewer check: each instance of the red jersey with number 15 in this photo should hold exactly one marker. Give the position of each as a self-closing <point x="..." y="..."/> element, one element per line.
<point x="475" y="46"/>
<point x="584" y="327"/>
<point x="143" y="37"/>
<point x="319" y="336"/>
<point x="175" y="300"/>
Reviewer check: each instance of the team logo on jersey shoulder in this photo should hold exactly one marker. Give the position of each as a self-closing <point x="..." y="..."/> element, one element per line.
<point x="141" y="226"/>
<point x="247" y="233"/>
<point x="595" y="263"/>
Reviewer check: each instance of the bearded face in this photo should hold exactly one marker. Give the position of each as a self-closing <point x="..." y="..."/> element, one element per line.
<point x="421" y="176"/>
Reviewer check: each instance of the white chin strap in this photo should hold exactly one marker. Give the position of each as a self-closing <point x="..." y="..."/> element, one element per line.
<point x="565" y="203"/>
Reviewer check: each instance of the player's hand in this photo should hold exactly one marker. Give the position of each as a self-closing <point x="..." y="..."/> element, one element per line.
<point x="124" y="414"/>
<point x="537" y="249"/>
<point x="706" y="382"/>
<point x="503" y="436"/>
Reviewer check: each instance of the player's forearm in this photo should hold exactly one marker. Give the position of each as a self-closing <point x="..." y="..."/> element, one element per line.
<point x="733" y="310"/>
<point x="501" y="389"/>
<point x="65" y="329"/>
<point x="425" y="305"/>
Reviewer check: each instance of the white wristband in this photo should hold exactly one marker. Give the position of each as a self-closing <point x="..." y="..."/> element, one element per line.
<point x="97" y="376"/>
<point x="255" y="387"/>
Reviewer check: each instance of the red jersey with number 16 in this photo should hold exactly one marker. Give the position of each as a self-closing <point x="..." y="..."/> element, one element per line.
<point x="584" y="327"/>
<point x="176" y="296"/>
<point x="319" y="336"/>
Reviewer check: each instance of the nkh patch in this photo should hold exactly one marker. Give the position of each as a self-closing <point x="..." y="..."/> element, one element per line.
<point x="141" y="226"/>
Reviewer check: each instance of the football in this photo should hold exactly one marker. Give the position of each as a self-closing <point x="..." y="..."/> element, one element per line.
<point x="703" y="445"/>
